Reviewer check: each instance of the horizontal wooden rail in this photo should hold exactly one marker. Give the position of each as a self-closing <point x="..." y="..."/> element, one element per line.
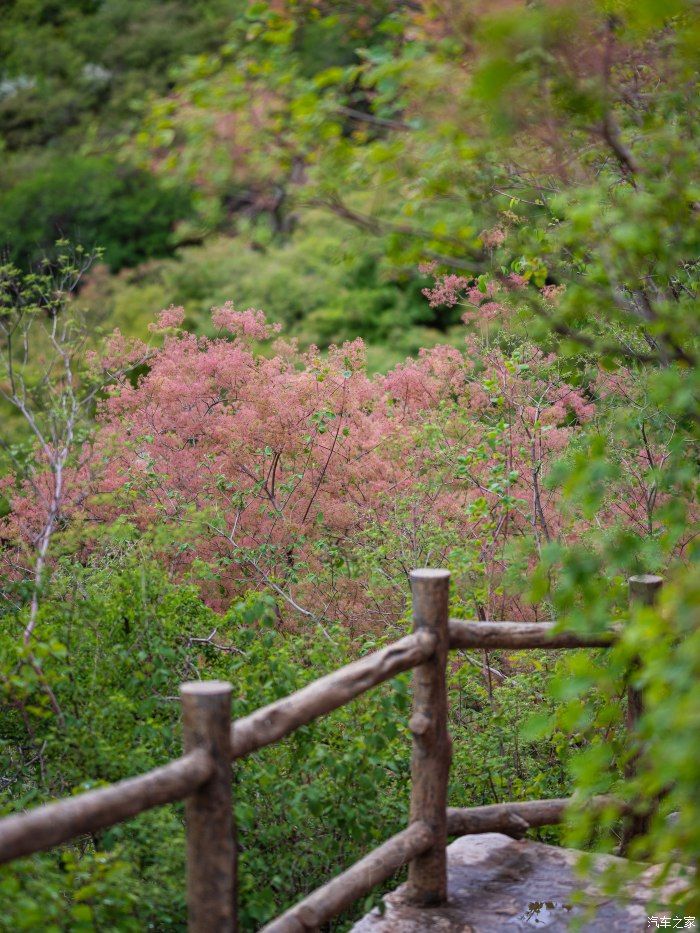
<point x="272" y="723"/>
<point x="332" y="899"/>
<point x="521" y="635"/>
<point x="514" y="819"/>
<point x="54" y="823"/>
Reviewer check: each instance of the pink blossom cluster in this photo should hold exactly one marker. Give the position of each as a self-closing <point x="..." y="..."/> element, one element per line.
<point x="248" y="323"/>
<point x="452" y="289"/>
<point x="171" y="317"/>
<point x="446" y="290"/>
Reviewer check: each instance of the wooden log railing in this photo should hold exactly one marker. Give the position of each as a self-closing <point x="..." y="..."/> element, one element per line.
<point x="514" y="819"/>
<point x="279" y="719"/>
<point x="327" y="902"/>
<point x="55" y="823"/>
<point x="202" y="776"/>
<point x="521" y="635"/>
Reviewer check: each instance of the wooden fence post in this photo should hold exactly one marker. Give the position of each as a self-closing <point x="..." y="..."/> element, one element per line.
<point x="211" y="866"/>
<point x="642" y="589"/>
<point x="430" y="759"/>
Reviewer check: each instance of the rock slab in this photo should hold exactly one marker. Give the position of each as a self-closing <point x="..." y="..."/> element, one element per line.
<point x="498" y="883"/>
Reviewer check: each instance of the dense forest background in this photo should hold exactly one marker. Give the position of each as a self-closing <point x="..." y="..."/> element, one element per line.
<point x="473" y="231"/>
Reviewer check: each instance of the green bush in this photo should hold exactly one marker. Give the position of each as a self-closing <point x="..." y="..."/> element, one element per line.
<point x="115" y="646"/>
<point x="64" y="65"/>
<point x="95" y="201"/>
<point x="324" y="284"/>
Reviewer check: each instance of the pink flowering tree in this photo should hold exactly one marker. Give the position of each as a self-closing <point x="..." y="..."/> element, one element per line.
<point x="299" y="474"/>
<point x="305" y="476"/>
<point x="256" y="458"/>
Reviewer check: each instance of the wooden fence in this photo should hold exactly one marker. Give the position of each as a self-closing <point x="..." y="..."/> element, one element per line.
<point x="202" y="776"/>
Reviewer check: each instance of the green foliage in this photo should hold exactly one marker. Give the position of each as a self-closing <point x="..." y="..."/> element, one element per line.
<point x="544" y="146"/>
<point x="116" y="643"/>
<point x="76" y="891"/>
<point x="94" y="201"/>
<point x="72" y="80"/>
<point x="323" y="284"/>
<point x="30" y="303"/>
<point x="64" y="63"/>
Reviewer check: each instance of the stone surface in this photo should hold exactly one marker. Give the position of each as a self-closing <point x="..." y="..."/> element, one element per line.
<point x="498" y="883"/>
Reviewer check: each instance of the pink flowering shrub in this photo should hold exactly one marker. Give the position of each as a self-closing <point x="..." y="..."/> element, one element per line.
<point x="479" y="297"/>
<point x="304" y="476"/>
<point x="551" y="293"/>
<point x="282" y="466"/>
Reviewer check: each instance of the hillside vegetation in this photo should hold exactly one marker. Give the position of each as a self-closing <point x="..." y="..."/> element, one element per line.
<point x="294" y="298"/>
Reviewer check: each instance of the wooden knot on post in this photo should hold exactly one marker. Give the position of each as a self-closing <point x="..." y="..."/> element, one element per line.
<point x="211" y="867"/>
<point x="419" y="724"/>
<point x="430" y="758"/>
